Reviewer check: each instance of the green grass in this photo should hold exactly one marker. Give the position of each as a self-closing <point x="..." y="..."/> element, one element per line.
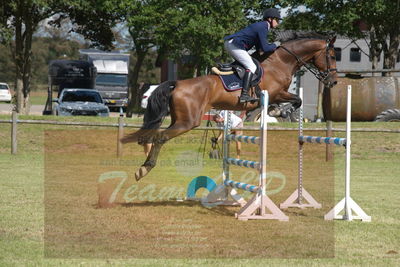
<point x="375" y="187"/>
<point x="38" y="97"/>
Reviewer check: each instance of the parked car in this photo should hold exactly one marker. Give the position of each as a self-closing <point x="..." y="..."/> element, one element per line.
<point x="81" y="102"/>
<point x="5" y="94"/>
<point x="146" y="95"/>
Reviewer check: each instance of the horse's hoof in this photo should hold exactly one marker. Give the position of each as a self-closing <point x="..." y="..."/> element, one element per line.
<point x="275" y="113"/>
<point x="142" y="172"/>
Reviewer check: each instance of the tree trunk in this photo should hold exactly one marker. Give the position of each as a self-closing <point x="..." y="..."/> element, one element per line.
<point x="26" y="78"/>
<point x="24" y="28"/>
<point x="375" y="50"/>
<point x="19" y="61"/>
<point x="392" y="51"/>
<point x="198" y="73"/>
<point x="133" y="101"/>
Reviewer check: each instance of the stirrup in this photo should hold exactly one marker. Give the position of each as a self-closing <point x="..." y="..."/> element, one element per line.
<point x="246" y="98"/>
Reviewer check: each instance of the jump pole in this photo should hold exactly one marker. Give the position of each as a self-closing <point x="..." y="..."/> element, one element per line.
<point x="296" y="199"/>
<point x="260" y="206"/>
<point x="347" y="204"/>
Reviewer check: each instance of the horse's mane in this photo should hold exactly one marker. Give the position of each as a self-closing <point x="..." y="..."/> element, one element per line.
<point x="286" y="36"/>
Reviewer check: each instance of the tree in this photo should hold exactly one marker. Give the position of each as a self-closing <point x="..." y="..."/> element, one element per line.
<point x="141" y="18"/>
<point x="379" y="18"/>
<point x="93" y="19"/>
<point x="20" y="19"/>
<point x="197" y="28"/>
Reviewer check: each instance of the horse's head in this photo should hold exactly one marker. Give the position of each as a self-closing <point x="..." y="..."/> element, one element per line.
<point x="325" y="62"/>
<point x="315" y="52"/>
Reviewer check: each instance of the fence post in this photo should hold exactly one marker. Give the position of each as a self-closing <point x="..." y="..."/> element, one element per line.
<point x="120" y="132"/>
<point x="14" y="133"/>
<point x="329" y="133"/>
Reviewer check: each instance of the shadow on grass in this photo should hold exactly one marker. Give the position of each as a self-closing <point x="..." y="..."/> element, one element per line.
<point x="218" y="210"/>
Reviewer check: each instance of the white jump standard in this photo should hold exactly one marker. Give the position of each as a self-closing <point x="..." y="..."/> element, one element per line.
<point x="297" y="198"/>
<point x="260" y="206"/>
<point x="347" y="204"/>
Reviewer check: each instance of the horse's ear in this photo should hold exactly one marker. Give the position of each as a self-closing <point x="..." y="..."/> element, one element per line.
<point x="332" y="41"/>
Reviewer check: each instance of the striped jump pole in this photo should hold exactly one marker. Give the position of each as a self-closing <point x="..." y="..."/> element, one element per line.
<point x="347" y="204"/>
<point x="322" y="140"/>
<point x="243" y="138"/>
<point x="300" y="198"/>
<point x="260" y="206"/>
<point x="243" y="163"/>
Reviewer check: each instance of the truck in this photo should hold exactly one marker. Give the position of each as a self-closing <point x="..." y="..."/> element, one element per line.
<point x="112" y="75"/>
<point x="68" y="74"/>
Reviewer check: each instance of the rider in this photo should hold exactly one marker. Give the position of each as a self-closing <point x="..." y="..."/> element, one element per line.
<point x="255" y="34"/>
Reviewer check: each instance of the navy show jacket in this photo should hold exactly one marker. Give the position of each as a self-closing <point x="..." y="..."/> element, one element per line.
<point x="253" y="35"/>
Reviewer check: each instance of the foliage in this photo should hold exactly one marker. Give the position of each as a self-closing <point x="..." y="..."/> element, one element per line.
<point x="94" y="19"/>
<point x="21" y="19"/>
<point x="198" y="30"/>
<point x="7" y="67"/>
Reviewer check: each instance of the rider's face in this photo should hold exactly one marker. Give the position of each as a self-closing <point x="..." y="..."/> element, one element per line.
<point x="274" y="23"/>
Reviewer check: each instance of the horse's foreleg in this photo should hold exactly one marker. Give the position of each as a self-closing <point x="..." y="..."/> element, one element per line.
<point x="294" y="103"/>
<point x="158" y="141"/>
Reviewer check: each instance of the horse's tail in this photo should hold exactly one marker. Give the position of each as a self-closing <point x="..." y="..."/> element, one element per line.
<point x="157" y="109"/>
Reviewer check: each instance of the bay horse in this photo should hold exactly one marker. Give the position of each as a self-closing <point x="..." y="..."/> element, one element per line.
<point x="188" y="100"/>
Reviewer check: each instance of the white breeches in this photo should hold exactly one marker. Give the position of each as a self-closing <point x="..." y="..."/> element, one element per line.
<point x="240" y="55"/>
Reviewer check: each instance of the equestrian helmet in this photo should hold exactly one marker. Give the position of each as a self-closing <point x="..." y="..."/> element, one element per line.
<point x="271" y="13"/>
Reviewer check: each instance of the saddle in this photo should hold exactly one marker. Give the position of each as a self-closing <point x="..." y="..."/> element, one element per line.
<point x="232" y="74"/>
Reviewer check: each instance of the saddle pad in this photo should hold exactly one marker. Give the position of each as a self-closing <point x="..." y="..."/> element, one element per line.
<point x="232" y="82"/>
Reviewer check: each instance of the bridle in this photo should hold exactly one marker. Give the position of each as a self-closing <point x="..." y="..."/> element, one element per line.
<point x="320" y="75"/>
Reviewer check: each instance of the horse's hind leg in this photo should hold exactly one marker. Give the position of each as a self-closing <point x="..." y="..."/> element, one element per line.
<point x="174" y="130"/>
<point x="150" y="162"/>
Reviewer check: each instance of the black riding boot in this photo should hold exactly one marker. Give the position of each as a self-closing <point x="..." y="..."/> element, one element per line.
<point x="244" y="96"/>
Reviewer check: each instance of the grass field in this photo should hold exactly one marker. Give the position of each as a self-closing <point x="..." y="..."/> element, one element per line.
<point x="38" y="97"/>
<point x="51" y="188"/>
